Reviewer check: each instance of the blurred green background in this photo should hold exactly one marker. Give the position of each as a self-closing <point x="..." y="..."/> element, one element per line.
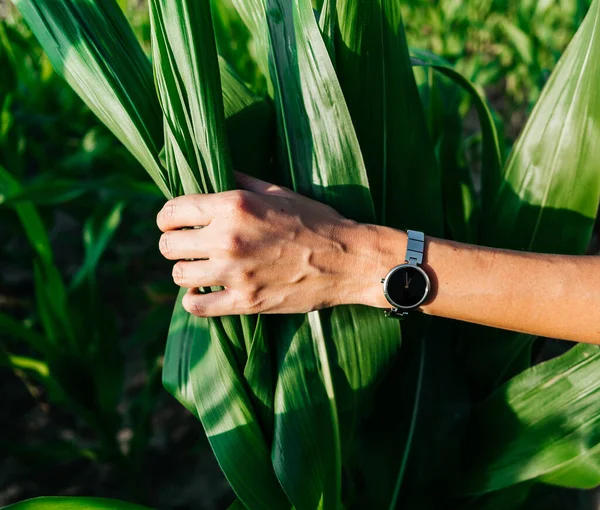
<point x="91" y="418"/>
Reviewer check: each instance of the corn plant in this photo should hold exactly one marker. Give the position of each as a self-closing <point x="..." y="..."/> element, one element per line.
<point x="67" y="341"/>
<point x="70" y="343"/>
<point x="342" y="408"/>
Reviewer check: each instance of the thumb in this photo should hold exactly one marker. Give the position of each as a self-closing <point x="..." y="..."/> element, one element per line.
<point x="249" y="183"/>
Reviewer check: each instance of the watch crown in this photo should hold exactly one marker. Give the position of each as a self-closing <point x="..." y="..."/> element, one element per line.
<point x="383" y="280"/>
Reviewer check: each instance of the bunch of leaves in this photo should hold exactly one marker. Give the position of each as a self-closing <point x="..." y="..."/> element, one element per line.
<point x="297" y="408"/>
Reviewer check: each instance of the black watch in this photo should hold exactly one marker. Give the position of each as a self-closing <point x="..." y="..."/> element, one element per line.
<point x="407" y="286"/>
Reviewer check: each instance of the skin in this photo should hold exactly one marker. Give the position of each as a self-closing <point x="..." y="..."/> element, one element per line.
<point x="275" y="251"/>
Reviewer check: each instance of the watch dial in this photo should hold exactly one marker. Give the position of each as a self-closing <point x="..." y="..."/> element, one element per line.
<point x="406" y="286"/>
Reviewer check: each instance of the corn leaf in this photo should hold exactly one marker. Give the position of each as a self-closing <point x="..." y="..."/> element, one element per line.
<point x="461" y="203"/>
<point x="201" y="371"/>
<point x="250" y="126"/>
<point x="28" y="215"/>
<point x="372" y="61"/>
<point x="14" y="328"/>
<point x="234" y="44"/>
<point x="545" y="427"/>
<point x="98" y="231"/>
<point x="435" y="391"/>
<point x="51" y="294"/>
<point x="62" y="503"/>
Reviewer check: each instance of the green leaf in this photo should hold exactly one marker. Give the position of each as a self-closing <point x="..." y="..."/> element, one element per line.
<point x="51" y="294"/>
<point x="252" y="13"/>
<point x="234" y="43"/>
<point x="98" y="232"/>
<point x="306" y="416"/>
<point x="176" y="371"/>
<point x="521" y="41"/>
<point x="13" y="328"/>
<point x="52" y="305"/>
<point x="491" y="154"/>
<point x="545" y="427"/>
<point x="258" y="373"/>
<point x="61" y="503"/>
<point x="37" y="367"/>
<point x="48" y="193"/>
<point x="237" y="505"/>
<point x="30" y="219"/>
<point x="318" y="144"/>
<point x="201" y="371"/>
<point x="376" y="75"/>
<point x="461" y="204"/>
<point x="440" y="403"/>
<point x="250" y="126"/>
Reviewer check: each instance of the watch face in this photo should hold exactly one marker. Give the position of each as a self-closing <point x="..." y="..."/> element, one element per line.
<point x="407" y="286"/>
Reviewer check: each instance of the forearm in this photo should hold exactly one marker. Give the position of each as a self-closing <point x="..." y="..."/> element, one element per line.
<point x="275" y="251"/>
<point x="546" y="295"/>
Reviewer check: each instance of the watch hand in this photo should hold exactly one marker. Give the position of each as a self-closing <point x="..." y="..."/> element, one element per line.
<point x="408" y="280"/>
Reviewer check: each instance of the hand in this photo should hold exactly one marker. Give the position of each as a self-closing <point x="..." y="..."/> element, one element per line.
<point x="273" y="251"/>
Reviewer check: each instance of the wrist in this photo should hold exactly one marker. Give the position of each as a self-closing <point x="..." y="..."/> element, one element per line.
<point x="371" y="251"/>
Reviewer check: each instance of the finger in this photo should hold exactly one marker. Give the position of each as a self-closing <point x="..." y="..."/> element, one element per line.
<point x="185" y="244"/>
<point x="249" y="183"/>
<point x="212" y="304"/>
<point x="198" y="273"/>
<point x="188" y="211"/>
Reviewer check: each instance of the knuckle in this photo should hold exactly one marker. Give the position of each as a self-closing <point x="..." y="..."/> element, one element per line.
<point x="234" y="245"/>
<point x="253" y="301"/>
<point x="197" y="203"/>
<point x="247" y="277"/>
<point x="240" y="201"/>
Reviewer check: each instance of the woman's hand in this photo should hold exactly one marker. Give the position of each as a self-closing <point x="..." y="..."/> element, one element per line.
<point x="273" y="251"/>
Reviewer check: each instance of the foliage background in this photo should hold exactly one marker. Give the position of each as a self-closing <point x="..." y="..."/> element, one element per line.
<point x="52" y="144"/>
